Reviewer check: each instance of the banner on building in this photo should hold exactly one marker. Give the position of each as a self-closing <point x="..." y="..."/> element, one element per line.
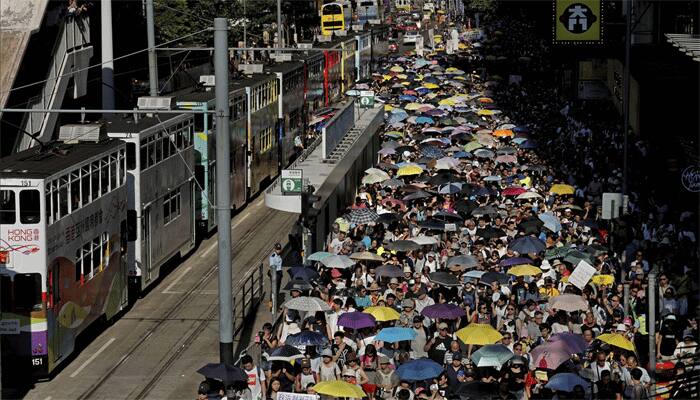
<point x="578" y="22"/>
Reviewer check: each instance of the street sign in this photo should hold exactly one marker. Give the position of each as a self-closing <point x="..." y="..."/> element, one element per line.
<point x="577" y="21"/>
<point x="291" y="181"/>
<point x="366" y="98"/>
<point x="612" y="203"/>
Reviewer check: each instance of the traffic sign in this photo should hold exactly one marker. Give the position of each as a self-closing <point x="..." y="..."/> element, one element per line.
<point x="366" y="98"/>
<point x="291" y="181"/>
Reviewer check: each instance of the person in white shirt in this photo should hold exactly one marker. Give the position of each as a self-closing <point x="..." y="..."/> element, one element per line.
<point x="256" y="378"/>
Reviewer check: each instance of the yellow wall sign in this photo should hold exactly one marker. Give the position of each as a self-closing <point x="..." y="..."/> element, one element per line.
<point x="578" y="21"/>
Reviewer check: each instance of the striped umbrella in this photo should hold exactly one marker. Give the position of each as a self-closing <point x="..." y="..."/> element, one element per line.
<point x="362" y="216"/>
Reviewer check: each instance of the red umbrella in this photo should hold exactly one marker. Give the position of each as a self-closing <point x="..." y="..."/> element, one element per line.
<point x="410" y="92"/>
<point x="391" y="202"/>
<point x="513" y="191"/>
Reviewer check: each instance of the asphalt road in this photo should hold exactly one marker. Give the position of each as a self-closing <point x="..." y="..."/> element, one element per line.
<point x="154" y="349"/>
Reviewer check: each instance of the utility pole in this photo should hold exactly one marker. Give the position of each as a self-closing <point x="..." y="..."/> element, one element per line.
<point x="651" y="323"/>
<point x="223" y="190"/>
<point x="152" y="60"/>
<point x="107" y="55"/>
<point x="279" y="25"/>
<point x="629" y="6"/>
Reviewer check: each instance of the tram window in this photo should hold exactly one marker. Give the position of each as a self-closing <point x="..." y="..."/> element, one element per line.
<point x="95" y="185"/>
<point x="122" y="168"/>
<point x="8" y="207"/>
<point x="87" y="258"/>
<point x="85" y="185"/>
<point x="151" y="154"/>
<point x="166" y="147"/>
<point x="96" y="256"/>
<point x="104" y="176"/>
<point x="63" y="198"/>
<point x="78" y="264"/>
<point x="30" y="206"/>
<point x="27" y="292"/>
<point x="131" y="156"/>
<point x="74" y="191"/>
<point x="113" y="172"/>
<point x="47" y="206"/>
<point x="5" y="293"/>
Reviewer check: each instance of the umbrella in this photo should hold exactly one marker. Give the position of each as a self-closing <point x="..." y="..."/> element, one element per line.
<point x="446" y="163"/>
<point x="568" y="302"/>
<point x="484" y="153"/>
<point x="389" y="271"/>
<point x="447" y="216"/>
<point x="573" y="343"/>
<point x="575" y="256"/>
<point x="506" y="159"/>
<point x="492" y="178"/>
<point x="431" y="151"/>
<point x="304" y="273"/>
<point x="528" y="144"/>
<point x="360" y="216"/>
<point x="475" y="274"/>
<point x="298" y="284"/>
<point x="393" y="335"/>
<point x="356" y="320"/>
<point x="382" y="314"/>
<point x="450" y="188"/>
<point x="466" y="261"/>
<point x="528" y="195"/>
<point x="425" y="120"/>
<point x="513" y="190"/>
<point x="410" y="169"/>
<point x="393" y="183"/>
<point x="339" y="262"/>
<point x="525" y="270"/>
<point x="566" y="382"/>
<point x="402" y="245"/>
<point x="306" y="338"/>
<point x="372" y="178"/>
<point x="339" y="389"/>
<point x="557" y="252"/>
<point x="484" y="210"/>
<point x="526" y="245"/>
<point x="509" y="262"/>
<point x="617" y="340"/>
<point x="492" y="276"/>
<point x="507" y="150"/>
<point x="492" y="355"/>
<point x="562" y="189"/>
<point x="433" y="225"/>
<point x="388" y="218"/>
<point x="425" y="240"/>
<point x="471" y="146"/>
<point x="444" y="278"/>
<point x="443" y="311"/>
<point x="479" y="334"/>
<point x="419" y="370"/>
<point x="551" y="222"/>
<point x="285" y="353"/>
<point x="475" y="390"/>
<point x="549" y="355"/>
<point x="366" y="256"/>
<point x="396" y="68"/>
<point x="490" y="232"/>
<point x="308" y="304"/>
<point x="318" y="256"/>
<point x="223" y="372"/>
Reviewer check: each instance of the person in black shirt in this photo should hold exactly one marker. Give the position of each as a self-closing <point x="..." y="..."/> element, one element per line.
<point x="438" y="345"/>
<point x="607" y="389"/>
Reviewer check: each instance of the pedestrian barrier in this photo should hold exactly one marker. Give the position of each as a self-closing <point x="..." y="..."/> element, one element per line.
<point x="247" y="296"/>
<point x="337" y="127"/>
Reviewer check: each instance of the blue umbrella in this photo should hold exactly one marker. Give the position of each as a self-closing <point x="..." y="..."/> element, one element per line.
<point x="393" y="335"/>
<point x="526" y="245"/>
<point x="425" y="120"/>
<point x="509" y="262"/>
<point x="422" y="91"/>
<point x="319" y="255"/>
<point x="304" y="273"/>
<point x="492" y="355"/>
<point x="462" y="154"/>
<point x="528" y="144"/>
<point x="306" y="338"/>
<point x="450" y="188"/>
<point x="474" y="274"/>
<point x="550" y="222"/>
<point x="492" y="178"/>
<point x="566" y="381"/>
<point x="432" y="152"/>
<point x="407" y="97"/>
<point x="521" y="129"/>
<point x="480" y="191"/>
<point x="419" y="370"/>
<point x="519" y="140"/>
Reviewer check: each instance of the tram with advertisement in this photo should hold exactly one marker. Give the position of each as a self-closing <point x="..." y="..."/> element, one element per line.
<point x="63" y="231"/>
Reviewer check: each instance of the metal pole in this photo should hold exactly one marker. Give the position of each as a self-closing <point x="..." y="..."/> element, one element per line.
<point x="626" y="95"/>
<point x="107" y="55"/>
<point x="152" y="61"/>
<point x="626" y="293"/>
<point x="223" y="190"/>
<point x="279" y="25"/>
<point x="273" y="292"/>
<point x="100" y="111"/>
<point x="651" y="323"/>
<point x="245" y="28"/>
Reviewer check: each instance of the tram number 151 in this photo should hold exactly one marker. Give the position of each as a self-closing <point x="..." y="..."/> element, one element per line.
<point x="37" y="361"/>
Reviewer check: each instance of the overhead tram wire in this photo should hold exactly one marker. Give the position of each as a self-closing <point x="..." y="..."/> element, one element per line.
<point x="104" y="62"/>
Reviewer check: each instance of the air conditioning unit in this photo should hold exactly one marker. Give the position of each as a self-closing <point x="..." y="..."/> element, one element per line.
<point x="74" y="133"/>
<point x="250" y="69"/>
<point x="208" y="80"/>
<point x="281" y="57"/>
<point x="323" y="38"/>
<point x="155" y="103"/>
<point x="305" y="46"/>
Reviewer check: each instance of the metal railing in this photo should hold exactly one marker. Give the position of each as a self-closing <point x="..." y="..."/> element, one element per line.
<point x="247" y="296"/>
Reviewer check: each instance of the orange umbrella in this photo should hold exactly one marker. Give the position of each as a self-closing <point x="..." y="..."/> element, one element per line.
<point x="503" y="133"/>
<point x="485" y="100"/>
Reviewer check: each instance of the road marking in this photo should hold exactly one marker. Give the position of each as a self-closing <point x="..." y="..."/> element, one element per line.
<point x="175" y="282"/>
<point x="243" y="218"/>
<point x="48" y="398"/>
<point x="209" y="249"/>
<point x="92" y="358"/>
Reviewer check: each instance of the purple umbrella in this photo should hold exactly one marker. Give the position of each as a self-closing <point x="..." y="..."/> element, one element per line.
<point x="508" y="262"/>
<point x="443" y="311"/>
<point x="549" y="355"/>
<point x="356" y="320"/>
<point x="572" y="342"/>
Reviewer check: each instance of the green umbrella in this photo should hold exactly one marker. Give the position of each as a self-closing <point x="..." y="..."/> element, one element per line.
<point x="319" y="255"/>
<point x="491" y="355"/>
<point x="557" y="252"/>
<point x="574" y="256"/>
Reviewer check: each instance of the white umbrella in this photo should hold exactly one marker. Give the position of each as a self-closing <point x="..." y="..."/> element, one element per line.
<point x="425" y="240"/>
<point x="528" y="195"/>
<point x="308" y="304"/>
<point x="340" y="262"/>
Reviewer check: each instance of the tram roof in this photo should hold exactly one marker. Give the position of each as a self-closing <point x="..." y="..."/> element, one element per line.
<point x="126" y="123"/>
<point x="35" y="164"/>
<point x="202" y="96"/>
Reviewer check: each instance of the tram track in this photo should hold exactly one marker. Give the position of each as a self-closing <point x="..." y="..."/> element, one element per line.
<point x="204" y="318"/>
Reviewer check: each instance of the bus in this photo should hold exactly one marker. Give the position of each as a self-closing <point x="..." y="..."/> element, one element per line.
<point x="335" y="17"/>
<point x="63" y="233"/>
<point x="368" y="11"/>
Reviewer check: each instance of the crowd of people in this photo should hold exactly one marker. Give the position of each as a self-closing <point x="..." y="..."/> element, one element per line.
<point x="475" y="262"/>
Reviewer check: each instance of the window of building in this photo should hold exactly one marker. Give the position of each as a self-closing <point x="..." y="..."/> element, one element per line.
<point x="171" y="206"/>
<point x="8" y="207"/>
<point x="104" y="176"/>
<point x="95" y="178"/>
<point x="62" y="197"/>
<point x="74" y="190"/>
<point x="30" y="206"/>
<point x="113" y="171"/>
<point x="85" y="184"/>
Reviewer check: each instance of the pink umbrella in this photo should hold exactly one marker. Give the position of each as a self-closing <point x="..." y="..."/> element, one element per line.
<point x="572" y="342"/>
<point x="507" y="159"/>
<point x="513" y="191"/>
<point x="549" y="355"/>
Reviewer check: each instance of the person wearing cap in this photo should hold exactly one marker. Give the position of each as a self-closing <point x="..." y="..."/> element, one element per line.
<point x="423" y="300"/>
<point x="688" y="347"/>
<point x="328" y="370"/>
<point x="305" y="377"/>
<point x="362" y="299"/>
<point x="422" y="335"/>
<point x="456" y="373"/>
<point x="393" y="287"/>
<point x="385" y="379"/>
<point x="203" y="390"/>
<point x="275" y="261"/>
<point x="407" y="313"/>
<point x="439" y="344"/>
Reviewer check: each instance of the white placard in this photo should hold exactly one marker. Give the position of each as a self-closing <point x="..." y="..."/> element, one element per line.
<point x="296" y="396"/>
<point x="450" y="227"/>
<point x="581" y="274"/>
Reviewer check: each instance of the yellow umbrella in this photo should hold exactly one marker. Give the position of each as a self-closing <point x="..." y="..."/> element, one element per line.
<point x="406" y="83"/>
<point x="485" y="112"/>
<point x="525" y="270"/>
<point x="388" y="107"/>
<point x="430" y="85"/>
<point x="459" y="78"/>
<point x="396" y="68"/>
<point x="603" y="280"/>
<point x="561" y="189"/>
<point x="402" y="76"/>
<point x="339" y="389"/>
<point x="410" y="170"/>
<point x="383" y="313"/>
<point x="393" y="133"/>
<point x="418" y="77"/>
<point x="387" y="77"/>
<point x="479" y="334"/>
<point x="471" y="146"/>
<point x="447" y="102"/>
<point x="412" y="106"/>
<point x="617" y="340"/>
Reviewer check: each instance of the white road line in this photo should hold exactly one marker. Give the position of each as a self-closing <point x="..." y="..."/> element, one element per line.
<point x="243" y="218"/>
<point x="175" y="282"/>
<point x="209" y="249"/>
<point x="48" y="398"/>
<point x="92" y="358"/>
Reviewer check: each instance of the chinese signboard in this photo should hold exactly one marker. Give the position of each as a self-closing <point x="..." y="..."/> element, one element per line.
<point x="577" y="21"/>
<point x="367" y="98"/>
<point x="290" y="181"/>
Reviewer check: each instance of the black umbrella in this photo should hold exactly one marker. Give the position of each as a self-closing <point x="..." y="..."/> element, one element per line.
<point x="447" y="216"/>
<point x="388" y="218"/>
<point x="443" y="178"/>
<point x="285" y="353"/>
<point x="433" y="225"/>
<point x="223" y="372"/>
<point x="492" y="276"/>
<point x="530" y="225"/>
<point x="401" y="149"/>
<point x="476" y="390"/>
<point x="444" y="278"/>
<point x="387" y="166"/>
<point x="389" y="271"/>
<point x="402" y="245"/>
<point x="490" y="232"/>
<point x="297" y="284"/>
<point x="465" y="206"/>
<point x="484" y="210"/>
<point x="417" y="195"/>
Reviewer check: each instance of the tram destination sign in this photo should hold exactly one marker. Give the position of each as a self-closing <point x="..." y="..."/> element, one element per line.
<point x="291" y="181"/>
